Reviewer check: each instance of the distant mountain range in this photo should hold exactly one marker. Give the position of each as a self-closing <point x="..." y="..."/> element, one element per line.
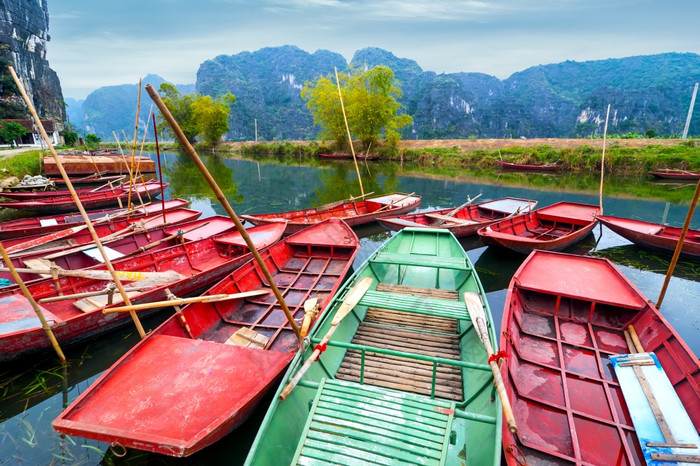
<point x="646" y="93"/>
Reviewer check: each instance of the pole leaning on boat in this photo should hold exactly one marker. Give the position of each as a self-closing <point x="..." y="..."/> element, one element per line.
<point x="76" y="199"/>
<point x="224" y="202"/>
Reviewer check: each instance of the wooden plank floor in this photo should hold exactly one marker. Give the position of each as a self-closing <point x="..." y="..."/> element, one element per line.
<point x="411" y="333"/>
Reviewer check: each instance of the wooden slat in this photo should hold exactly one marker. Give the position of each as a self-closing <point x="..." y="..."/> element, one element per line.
<point x="452" y="295"/>
<point x="351" y="424"/>
<point x="387" y="317"/>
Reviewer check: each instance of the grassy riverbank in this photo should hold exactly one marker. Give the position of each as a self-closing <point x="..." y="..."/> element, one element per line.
<point x="627" y="156"/>
<point x="623" y="156"/>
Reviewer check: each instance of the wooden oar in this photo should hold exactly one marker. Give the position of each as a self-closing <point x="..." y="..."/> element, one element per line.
<point x="478" y="317"/>
<point x="125" y="275"/>
<point x="351" y="299"/>
<point x="310" y="311"/>
<point x="182" y="301"/>
<point x="45" y="239"/>
<point x="335" y="204"/>
<point x="392" y="203"/>
<point x="167" y="238"/>
<point x="453" y="212"/>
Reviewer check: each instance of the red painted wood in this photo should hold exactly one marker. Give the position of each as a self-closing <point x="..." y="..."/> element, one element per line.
<point x="212" y="387"/>
<point x="654" y="236"/>
<point x="551" y="228"/>
<point x="32" y="226"/>
<point x="356" y="213"/>
<point x="564" y="316"/>
<point x="90" y="201"/>
<point x="202" y="263"/>
<point x="479" y="213"/>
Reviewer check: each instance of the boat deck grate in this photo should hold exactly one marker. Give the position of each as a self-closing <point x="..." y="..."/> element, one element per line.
<point x="360" y="424"/>
<point x="421" y="260"/>
<point x="408" y="332"/>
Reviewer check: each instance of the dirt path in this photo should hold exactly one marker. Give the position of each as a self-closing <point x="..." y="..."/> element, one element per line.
<point x="4" y="153"/>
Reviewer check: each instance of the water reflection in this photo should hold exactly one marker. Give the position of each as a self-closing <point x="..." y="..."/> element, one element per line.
<point x="33" y="395"/>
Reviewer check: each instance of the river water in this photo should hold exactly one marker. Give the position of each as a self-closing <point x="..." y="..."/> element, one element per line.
<point x="32" y="395"/>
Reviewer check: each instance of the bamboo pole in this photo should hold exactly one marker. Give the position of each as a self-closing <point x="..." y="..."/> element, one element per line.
<point x="35" y="306"/>
<point x="679" y="246"/>
<point x="76" y="199"/>
<point x="160" y="172"/>
<point x="347" y="128"/>
<point x="602" y="162"/>
<point x="214" y="298"/>
<point x="224" y="202"/>
<point x="133" y="147"/>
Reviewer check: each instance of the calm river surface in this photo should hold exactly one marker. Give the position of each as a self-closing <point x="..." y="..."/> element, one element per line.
<point x="34" y="394"/>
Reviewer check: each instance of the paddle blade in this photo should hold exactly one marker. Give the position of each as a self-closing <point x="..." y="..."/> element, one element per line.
<point x="351" y="299"/>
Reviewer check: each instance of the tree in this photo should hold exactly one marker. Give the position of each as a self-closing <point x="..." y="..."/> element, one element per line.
<point x="92" y="140"/>
<point x="199" y="117"/>
<point x="211" y="117"/>
<point x="370" y="99"/>
<point x="11" y="131"/>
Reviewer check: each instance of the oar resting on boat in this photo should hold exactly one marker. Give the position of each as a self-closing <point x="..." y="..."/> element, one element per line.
<point x="164" y="277"/>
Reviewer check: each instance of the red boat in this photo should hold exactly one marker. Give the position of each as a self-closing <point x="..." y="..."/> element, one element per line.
<point x="465" y="221"/>
<point x="551" y="228"/>
<point x="90" y="201"/>
<point x="565" y="316"/>
<point x="45" y="195"/>
<point x="31" y="226"/>
<point x="87" y="255"/>
<point x="669" y="173"/>
<point x="79" y="235"/>
<point x="654" y="236"/>
<point x="197" y="385"/>
<point x="348" y="156"/>
<point x="353" y="212"/>
<point x="185" y="269"/>
<point x="547" y="167"/>
<point x="51" y="183"/>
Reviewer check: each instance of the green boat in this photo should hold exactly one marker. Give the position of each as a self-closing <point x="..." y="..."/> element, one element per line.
<point x="403" y="377"/>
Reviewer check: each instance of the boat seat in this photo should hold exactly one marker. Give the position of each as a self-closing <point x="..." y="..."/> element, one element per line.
<point x="406" y="223"/>
<point x="421" y="260"/>
<point x="415" y="304"/>
<point x="351" y="423"/>
<point x="447" y="218"/>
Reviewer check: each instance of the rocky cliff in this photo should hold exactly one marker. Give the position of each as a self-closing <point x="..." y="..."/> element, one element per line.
<point x="24" y="32"/>
<point x="648" y="94"/>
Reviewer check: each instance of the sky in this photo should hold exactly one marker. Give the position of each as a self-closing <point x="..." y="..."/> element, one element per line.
<point x="97" y="43"/>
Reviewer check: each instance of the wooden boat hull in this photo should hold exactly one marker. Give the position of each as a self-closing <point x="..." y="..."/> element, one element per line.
<point x="675" y="174"/>
<point x="564" y="318"/>
<point x="649" y="235"/>
<point x="89" y="201"/>
<point x="136" y="243"/>
<point x="200" y="263"/>
<point x="82" y="164"/>
<point x="210" y="387"/>
<point x="551" y="228"/>
<point x="548" y="167"/>
<point x="374" y="377"/>
<point x="467" y="221"/>
<point x="64" y="239"/>
<point x="114" y="189"/>
<point x="48" y="224"/>
<point x="357" y="213"/>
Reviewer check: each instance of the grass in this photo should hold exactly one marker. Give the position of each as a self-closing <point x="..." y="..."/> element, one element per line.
<point x="25" y="163"/>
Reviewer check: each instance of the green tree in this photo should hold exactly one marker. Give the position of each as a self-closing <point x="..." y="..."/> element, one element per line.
<point x="211" y="117"/>
<point x="69" y="136"/>
<point x="371" y="105"/>
<point x="199" y="117"/>
<point x="11" y="131"/>
<point x="92" y="140"/>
